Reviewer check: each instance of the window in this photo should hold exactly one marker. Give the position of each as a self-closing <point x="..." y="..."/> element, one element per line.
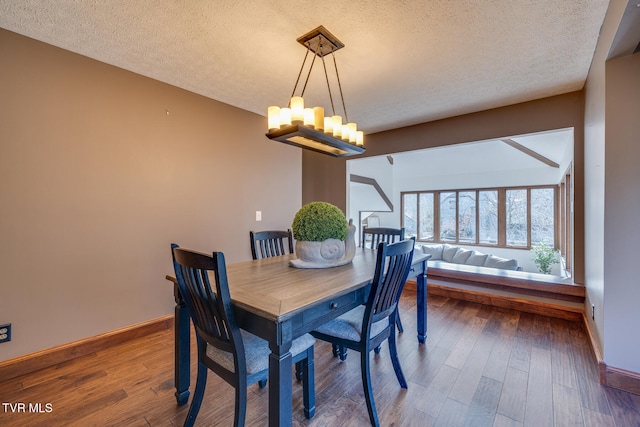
<point x="488" y="217"/>
<point x="426" y="216"/>
<point x="410" y="214"/>
<point x="467" y="216"/>
<point x="448" y="217"/>
<point x="517" y="230"/>
<point x="505" y="217"/>
<point x="542" y="214"/>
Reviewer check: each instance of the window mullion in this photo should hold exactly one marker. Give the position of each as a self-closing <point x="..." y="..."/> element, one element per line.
<point x="477" y="217"/>
<point x="418" y="218"/>
<point x="457" y="217"/>
<point x="436" y="216"/>
<point x="502" y="217"/>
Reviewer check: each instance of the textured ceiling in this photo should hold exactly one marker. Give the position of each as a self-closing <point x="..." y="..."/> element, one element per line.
<point x="405" y="62"/>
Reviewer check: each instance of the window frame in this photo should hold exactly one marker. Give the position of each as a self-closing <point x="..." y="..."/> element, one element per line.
<point x="558" y="215"/>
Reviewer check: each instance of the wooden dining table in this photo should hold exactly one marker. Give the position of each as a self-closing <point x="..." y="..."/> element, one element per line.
<point x="279" y="303"/>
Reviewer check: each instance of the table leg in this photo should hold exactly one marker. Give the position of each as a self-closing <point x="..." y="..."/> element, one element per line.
<point x="182" y="348"/>
<point x="280" y="406"/>
<point x="421" y="296"/>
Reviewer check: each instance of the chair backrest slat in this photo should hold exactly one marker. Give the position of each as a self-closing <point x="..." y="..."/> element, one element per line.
<point x="392" y="269"/>
<point x="266" y="244"/>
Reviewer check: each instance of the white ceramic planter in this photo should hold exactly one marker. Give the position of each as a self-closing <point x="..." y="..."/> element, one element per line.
<point x="327" y="254"/>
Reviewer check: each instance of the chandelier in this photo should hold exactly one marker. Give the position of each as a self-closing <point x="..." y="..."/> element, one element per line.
<point x="309" y="127"/>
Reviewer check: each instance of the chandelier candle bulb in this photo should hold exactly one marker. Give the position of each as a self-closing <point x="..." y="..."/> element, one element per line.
<point x="273" y="117"/>
<point x="337" y="126"/>
<point x="297" y="109"/>
<point x="353" y="128"/>
<point x="359" y="138"/>
<point x="345" y="132"/>
<point x="285" y="117"/>
<point x="328" y="125"/>
<point x="318" y="118"/>
<point x="309" y="117"/>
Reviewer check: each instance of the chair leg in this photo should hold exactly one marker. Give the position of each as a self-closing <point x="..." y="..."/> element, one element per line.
<point x="196" y="400"/>
<point x="308" y="384"/>
<point x="339" y="351"/>
<point x="342" y="352"/>
<point x="368" y="391"/>
<point x="399" y="322"/>
<point x="241" y="402"/>
<point x="262" y="383"/>
<point x="395" y="361"/>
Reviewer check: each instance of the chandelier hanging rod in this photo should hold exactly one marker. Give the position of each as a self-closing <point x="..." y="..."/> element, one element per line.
<point x="321" y="49"/>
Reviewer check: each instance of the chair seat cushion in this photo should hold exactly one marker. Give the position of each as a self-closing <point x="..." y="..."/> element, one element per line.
<point x="256" y="352"/>
<point x="349" y="325"/>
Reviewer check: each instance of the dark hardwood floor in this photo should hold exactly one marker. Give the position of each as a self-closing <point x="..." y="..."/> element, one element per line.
<point x="481" y="366"/>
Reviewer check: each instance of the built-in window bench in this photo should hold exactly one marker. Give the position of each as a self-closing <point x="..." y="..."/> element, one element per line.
<point x="532" y="292"/>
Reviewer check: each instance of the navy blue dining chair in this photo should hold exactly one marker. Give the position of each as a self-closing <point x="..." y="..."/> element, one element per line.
<point x="366" y="327"/>
<point x="235" y="355"/>
<point x="265" y="244"/>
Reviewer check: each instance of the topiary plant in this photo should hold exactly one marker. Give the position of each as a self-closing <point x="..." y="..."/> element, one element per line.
<point x="319" y="221"/>
<point x="544" y="257"/>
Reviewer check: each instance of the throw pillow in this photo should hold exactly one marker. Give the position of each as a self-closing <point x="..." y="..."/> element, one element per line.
<point x="461" y="256"/>
<point x="503" y="263"/>
<point x="477" y="259"/>
<point x="434" y="250"/>
<point x="448" y="252"/>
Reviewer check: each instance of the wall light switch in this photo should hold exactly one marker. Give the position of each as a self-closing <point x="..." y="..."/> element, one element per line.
<point x="258" y="215"/>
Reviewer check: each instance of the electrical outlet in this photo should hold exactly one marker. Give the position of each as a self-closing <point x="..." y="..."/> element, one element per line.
<point x="258" y="215"/>
<point x="593" y="312"/>
<point x="5" y="333"/>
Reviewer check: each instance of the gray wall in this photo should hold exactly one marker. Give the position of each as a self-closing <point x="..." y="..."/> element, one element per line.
<point x="97" y="179"/>
<point x="612" y="102"/>
<point x="622" y="214"/>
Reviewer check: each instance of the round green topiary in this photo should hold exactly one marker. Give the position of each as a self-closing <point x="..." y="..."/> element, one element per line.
<point x="319" y="221"/>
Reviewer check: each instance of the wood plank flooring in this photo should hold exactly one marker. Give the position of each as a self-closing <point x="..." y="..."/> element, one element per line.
<point x="481" y="366"/>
